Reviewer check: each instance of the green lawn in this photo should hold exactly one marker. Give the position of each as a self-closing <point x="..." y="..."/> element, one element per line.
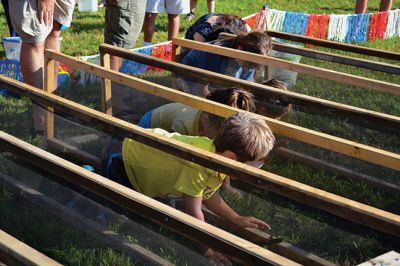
<point x="308" y="230"/>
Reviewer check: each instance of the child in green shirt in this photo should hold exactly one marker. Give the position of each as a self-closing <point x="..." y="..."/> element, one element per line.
<point x="242" y="137"/>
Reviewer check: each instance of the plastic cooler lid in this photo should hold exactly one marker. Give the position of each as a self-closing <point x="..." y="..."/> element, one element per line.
<point x="11" y="39"/>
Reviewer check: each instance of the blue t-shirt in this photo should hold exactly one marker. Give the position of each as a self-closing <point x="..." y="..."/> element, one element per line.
<point x="218" y="63"/>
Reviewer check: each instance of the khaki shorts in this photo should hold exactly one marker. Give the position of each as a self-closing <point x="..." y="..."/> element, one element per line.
<point x="25" y="18"/>
<point x="124" y="20"/>
<point x="174" y="7"/>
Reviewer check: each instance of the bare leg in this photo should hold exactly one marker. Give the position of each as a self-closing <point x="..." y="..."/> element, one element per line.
<point x="149" y="26"/>
<point x="361" y="6"/>
<point x="193" y="5"/>
<point x="211" y="6"/>
<point x="386" y="5"/>
<point x="32" y="61"/>
<point x="173" y="26"/>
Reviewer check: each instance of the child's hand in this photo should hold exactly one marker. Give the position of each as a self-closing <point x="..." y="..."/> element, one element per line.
<point x="252" y="222"/>
<point x="217" y="258"/>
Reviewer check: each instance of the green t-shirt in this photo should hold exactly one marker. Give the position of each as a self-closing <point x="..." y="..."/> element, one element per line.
<point x="176" y="117"/>
<point x="158" y="174"/>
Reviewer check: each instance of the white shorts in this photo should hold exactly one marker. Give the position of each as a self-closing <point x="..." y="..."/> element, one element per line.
<point x="170" y="6"/>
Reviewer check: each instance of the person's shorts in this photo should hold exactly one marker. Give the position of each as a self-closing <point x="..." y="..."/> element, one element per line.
<point x="174" y="7"/>
<point x="123" y="22"/>
<point x="25" y="18"/>
<point x="145" y="121"/>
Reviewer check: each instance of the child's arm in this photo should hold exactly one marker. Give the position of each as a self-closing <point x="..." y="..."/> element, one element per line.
<point x="218" y="206"/>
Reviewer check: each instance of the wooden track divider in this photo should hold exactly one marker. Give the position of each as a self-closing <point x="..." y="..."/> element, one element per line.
<point x="331" y="57"/>
<point x="297" y="67"/>
<point x="15" y="252"/>
<point x="162" y="214"/>
<point x="371" y="217"/>
<point x="375" y="120"/>
<point x="350" y="148"/>
<point x="336" y="45"/>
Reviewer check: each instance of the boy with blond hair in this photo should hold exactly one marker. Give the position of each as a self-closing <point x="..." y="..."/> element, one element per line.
<point x="242" y="137"/>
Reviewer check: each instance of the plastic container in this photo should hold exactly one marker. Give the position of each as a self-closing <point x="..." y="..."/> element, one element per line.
<point x="287" y="76"/>
<point x="87" y="5"/>
<point x="12" y="47"/>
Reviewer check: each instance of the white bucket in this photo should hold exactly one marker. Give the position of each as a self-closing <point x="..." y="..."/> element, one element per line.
<point x="12" y="47"/>
<point x="87" y="5"/>
<point x="287" y="76"/>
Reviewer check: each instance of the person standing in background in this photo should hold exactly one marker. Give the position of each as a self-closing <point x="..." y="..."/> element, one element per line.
<point x="173" y="7"/>
<point x="361" y="6"/>
<point x="193" y="5"/>
<point x="38" y="23"/>
<point x="7" y="13"/>
<point x="123" y="23"/>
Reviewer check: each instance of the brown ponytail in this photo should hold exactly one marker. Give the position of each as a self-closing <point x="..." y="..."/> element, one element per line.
<point x="234" y="97"/>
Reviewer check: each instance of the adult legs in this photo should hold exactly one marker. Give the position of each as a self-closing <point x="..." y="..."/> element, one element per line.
<point x="361" y="6"/>
<point x="149" y="26"/>
<point x="173" y="26"/>
<point x="193" y="5"/>
<point x="211" y="6"/>
<point x="386" y="5"/>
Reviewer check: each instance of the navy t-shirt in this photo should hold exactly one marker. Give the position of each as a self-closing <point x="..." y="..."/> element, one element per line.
<point x="218" y="63"/>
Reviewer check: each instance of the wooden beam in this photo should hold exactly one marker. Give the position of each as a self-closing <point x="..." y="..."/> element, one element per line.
<point x="336" y="45"/>
<point x="340" y="59"/>
<point x="330" y="57"/>
<point x="50" y="85"/>
<point x="384" y="122"/>
<point x="261" y="238"/>
<point x="68" y="149"/>
<point x="175" y="220"/>
<point x="374" y="218"/>
<point x="15" y="252"/>
<point x="107" y="236"/>
<point x="350" y="148"/>
<point x="106" y="90"/>
<point x="297" y="67"/>
<point x="341" y="171"/>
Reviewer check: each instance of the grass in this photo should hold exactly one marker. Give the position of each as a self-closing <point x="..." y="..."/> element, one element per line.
<point x="308" y="230"/>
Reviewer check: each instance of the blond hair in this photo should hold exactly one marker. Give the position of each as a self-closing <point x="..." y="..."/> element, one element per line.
<point x="248" y="137"/>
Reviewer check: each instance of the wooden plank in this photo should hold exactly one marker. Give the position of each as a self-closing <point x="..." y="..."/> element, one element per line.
<point x="383" y="122"/>
<point x="348" y="209"/>
<point x="330" y="57"/>
<point x="50" y="84"/>
<point x="350" y="148"/>
<point x="15" y="252"/>
<point x="327" y="74"/>
<point x="340" y="59"/>
<point x="261" y="238"/>
<point x="107" y="236"/>
<point x="106" y="98"/>
<point x="336" y="45"/>
<point x="340" y="170"/>
<point x="175" y="220"/>
<point x="68" y="149"/>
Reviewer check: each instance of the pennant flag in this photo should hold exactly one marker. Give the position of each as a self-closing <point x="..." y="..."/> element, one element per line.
<point x="357" y="28"/>
<point x="393" y="24"/>
<point x="295" y="22"/>
<point x="275" y="19"/>
<point x="317" y="26"/>
<point x="377" y="25"/>
<point x="337" y="29"/>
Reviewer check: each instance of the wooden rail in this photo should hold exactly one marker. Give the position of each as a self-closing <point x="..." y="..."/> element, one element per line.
<point x="15" y="252"/>
<point x="350" y="148"/>
<point x="374" y="218"/>
<point x="331" y="57"/>
<point x="336" y="45"/>
<point x="375" y="120"/>
<point x="175" y="220"/>
<point x="105" y="235"/>
<point x="297" y="67"/>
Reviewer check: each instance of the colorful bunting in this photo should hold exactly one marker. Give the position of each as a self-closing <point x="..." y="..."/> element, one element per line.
<point x="354" y="28"/>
